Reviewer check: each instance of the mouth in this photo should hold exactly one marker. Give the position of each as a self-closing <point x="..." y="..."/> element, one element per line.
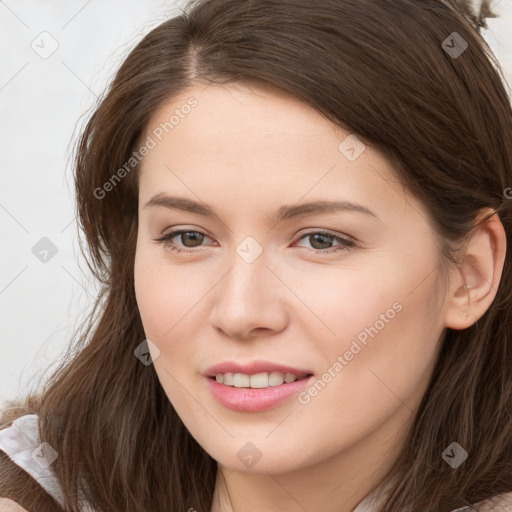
<point x="256" y="392"/>
<point x="259" y="380"/>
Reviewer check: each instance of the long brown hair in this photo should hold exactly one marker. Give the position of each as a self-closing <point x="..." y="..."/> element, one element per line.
<point x="382" y="70"/>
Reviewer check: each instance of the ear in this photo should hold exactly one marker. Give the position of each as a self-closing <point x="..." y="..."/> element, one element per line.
<point x="474" y="283"/>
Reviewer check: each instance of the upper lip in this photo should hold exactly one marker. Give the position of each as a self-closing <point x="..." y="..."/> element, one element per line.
<point x="254" y="367"/>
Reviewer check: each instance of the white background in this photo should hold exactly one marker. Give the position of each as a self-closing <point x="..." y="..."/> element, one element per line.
<point x="42" y="102"/>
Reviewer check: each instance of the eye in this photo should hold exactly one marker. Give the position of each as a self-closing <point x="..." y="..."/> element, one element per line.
<point x="196" y="238"/>
<point x="321" y="239"/>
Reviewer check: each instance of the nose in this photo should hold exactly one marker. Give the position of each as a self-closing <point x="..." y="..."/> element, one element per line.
<point x="250" y="300"/>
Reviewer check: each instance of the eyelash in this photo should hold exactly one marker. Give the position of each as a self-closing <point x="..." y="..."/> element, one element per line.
<point x="346" y="243"/>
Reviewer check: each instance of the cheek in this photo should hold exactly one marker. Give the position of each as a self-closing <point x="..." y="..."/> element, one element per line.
<point x="338" y="303"/>
<point x="160" y="304"/>
<point x="390" y="362"/>
<point x="153" y="292"/>
<point x="386" y="329"/>
<point x="168" y="296"/>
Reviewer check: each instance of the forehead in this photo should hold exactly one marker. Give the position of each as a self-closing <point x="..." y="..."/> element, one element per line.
<point x="241" y="127"/>
<point x="219" y="143"/>
<point x="239" y="112"/>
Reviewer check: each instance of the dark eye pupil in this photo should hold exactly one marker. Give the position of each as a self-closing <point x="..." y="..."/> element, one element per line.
<point x="191" y="234"/>
<point x="326" y="245"/>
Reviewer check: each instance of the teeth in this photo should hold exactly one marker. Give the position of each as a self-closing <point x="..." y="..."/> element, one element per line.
<point x="258" y="380"/>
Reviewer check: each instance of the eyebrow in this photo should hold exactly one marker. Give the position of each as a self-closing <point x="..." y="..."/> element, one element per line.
<point x="285" y="212"/>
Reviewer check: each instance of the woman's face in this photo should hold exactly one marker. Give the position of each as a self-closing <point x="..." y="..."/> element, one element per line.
<point x="358" y="307"/>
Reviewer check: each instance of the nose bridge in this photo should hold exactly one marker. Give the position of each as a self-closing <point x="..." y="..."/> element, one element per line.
<point x="248" y="275"/>
<point x="245" y="298"/>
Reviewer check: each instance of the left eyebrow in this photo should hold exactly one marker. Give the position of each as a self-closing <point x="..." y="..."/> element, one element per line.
<point x="319" y="207"/>
<point x="285" y="212"/>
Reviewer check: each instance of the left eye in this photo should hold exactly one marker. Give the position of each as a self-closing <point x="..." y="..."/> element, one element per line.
<point x="320" y="237"/>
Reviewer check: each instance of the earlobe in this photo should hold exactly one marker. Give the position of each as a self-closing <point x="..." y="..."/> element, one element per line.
<point x="474" y="283"/>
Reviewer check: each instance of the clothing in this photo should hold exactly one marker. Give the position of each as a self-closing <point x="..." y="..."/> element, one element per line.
<point x="21" y="442"/>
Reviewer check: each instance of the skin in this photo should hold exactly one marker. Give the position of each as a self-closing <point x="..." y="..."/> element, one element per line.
<point x="7" y="505"/>
<point x="246" y="151"/>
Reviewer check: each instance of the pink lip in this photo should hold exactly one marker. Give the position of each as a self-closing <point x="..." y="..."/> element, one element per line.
<point x="253" y="399"/>
<point x="253" y="368"/>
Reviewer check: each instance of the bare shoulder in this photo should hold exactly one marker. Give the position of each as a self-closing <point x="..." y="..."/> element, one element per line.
<point x="7" y="505"/>
<point x="500" y="503"/>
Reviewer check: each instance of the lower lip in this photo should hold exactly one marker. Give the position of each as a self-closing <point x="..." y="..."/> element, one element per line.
<point x="254" y="399"/>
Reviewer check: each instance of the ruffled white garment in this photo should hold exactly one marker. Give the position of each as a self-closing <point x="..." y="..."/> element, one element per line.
<point x="21" y="442"/>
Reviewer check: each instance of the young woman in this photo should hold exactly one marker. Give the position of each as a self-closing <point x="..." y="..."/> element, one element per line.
<point x="299" y="212"/>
